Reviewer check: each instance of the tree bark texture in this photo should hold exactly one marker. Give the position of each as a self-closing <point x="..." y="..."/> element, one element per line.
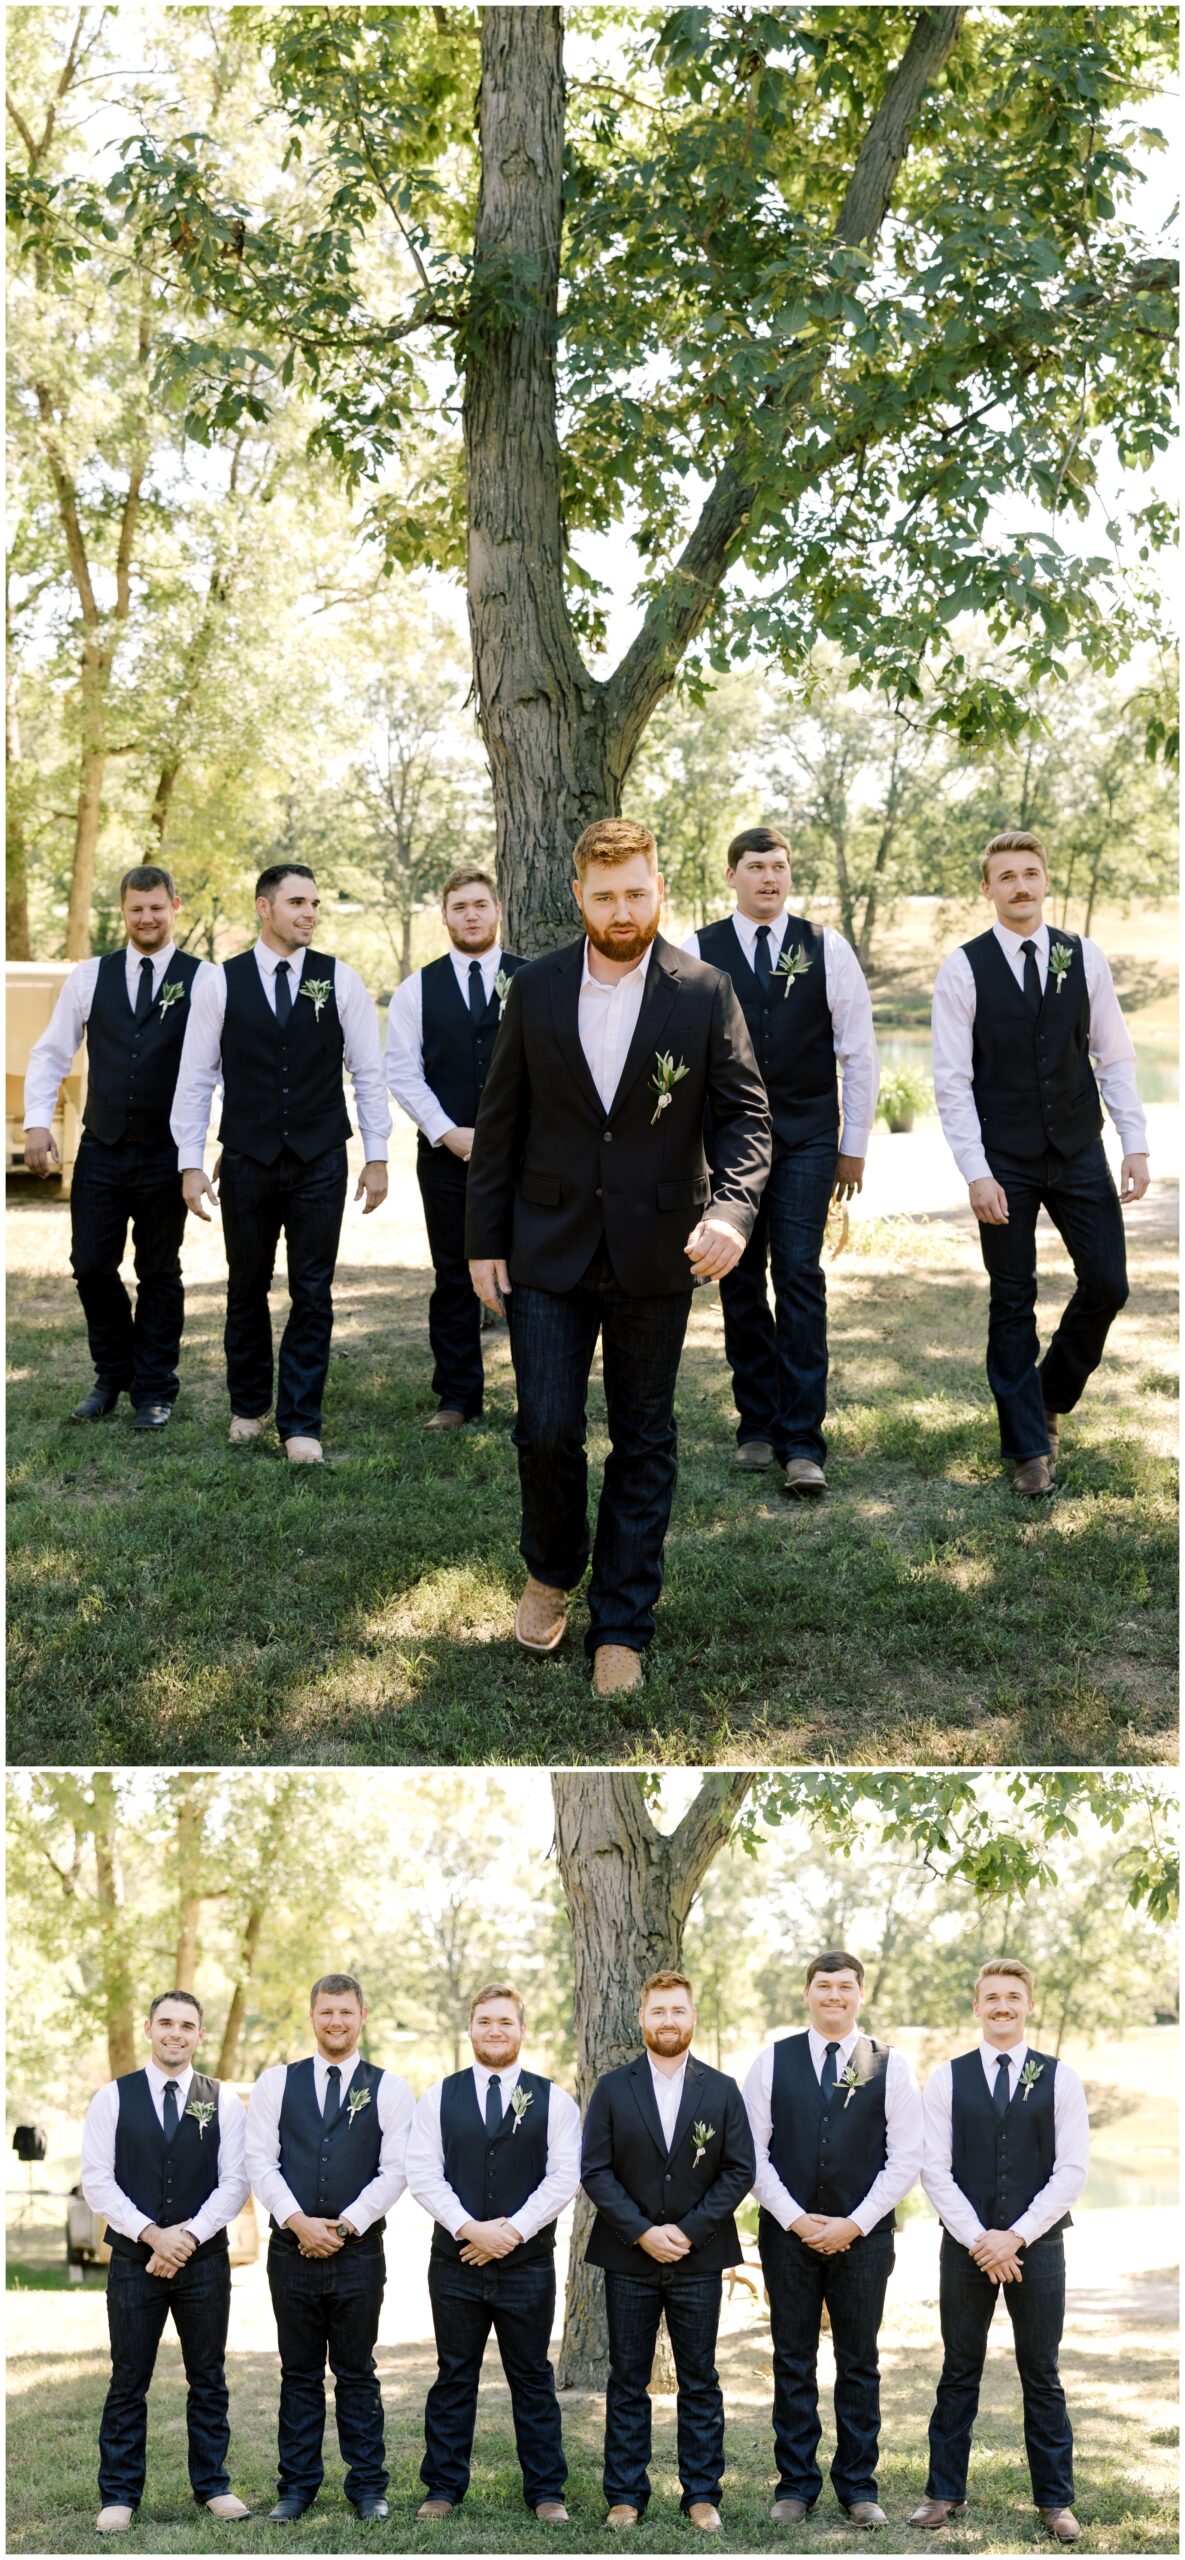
<point x="629" y="1889"/>
<point x="190" y="1794"/>
<point x="16" y="867"/>
<point x="118" y="1995"/>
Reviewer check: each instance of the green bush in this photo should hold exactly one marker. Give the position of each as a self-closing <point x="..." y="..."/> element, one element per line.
<point x="903" y="1094"/>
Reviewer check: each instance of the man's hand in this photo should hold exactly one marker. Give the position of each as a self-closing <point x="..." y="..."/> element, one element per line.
<point x="713" y="1248"/>
<point x="486" y="2240"/>
<point x="459" y="1143"/>
<point x="989" y="1200"/>
<point x="994" y="2250"/>
<point x="316" y="2233"/>
<point x="195" y="1188"/>
<point x="666" y="2242"/>
<point x="492" y="1283"/>
<point x="170" y="2246"/>
<point x="836" y="2233"/>
<point x="372" y="1186"/>
<point x="41" y="1154"/>
<point x="807" y="2225"/>
<point x="1133" y="1178"/>
<point x="849" y="1177"/>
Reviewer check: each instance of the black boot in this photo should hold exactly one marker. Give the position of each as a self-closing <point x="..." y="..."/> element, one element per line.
<point x="96" y="1406"/>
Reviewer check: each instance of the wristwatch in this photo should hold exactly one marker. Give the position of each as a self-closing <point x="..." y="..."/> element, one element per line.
<point x="343" y="2231"/>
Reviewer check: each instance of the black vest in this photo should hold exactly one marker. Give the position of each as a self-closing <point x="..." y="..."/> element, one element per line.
<point x="829" y="2152"/>
<point x="790" y="1027"/>
<point x="327" y="2165"/>
<point x="1001" y="2162"/>
<point x="168" y="2181"/>
<point x="493" y="2176"/>
<point x="131" y="1068"/>
<point x="282" y="1088"/>
<point x="1032" y="1079"/>
<point x="457" y="1050"/>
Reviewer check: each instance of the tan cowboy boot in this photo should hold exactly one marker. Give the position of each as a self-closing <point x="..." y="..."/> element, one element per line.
<point x="616" y="1666"/>
<point x="115" y="2519"/>
<point x="541" y="1617"/>
<point x="619" y="2519"/>
<point x="244" y="1428"/>
<point x="1061" y="2522"/>
<point x="433" y="2509"/>
<point x="933" y="2512"/>
<point x="227" y="2508"/>
<point x="301" y="1451"/>
<point x="704" y="2516"/>
<point x="1032" y="1476"/>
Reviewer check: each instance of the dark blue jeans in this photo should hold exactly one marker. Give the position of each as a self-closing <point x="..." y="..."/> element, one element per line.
<point x="454" y="1308"/>
<point x="518" y="2303"/>
<point x="137" y="1352"/>
<point x="304" y="1203"/>
<point x="1036" y="2306"/>
<point x="138" y="2305"/>
<point x="635" y="2305"/>
<point x="779" y="1360"/>
<point x="553" y="1339"/>
<point x="328" y="2308"/>
<point x="852" y="2285"/>
<point x="1081" y="1199"/>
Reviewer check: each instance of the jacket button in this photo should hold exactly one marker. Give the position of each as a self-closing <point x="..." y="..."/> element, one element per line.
<point x="600" y="1193"/>
<point x="607" y="1135"/>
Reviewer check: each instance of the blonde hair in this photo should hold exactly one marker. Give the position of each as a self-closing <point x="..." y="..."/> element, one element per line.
<point x="467" y="878"/>
<point x="1010" y="1965"/>
<point x="498" y="1991"/>
<point x="1019" y="842"/>
<point x="614" y="840"/>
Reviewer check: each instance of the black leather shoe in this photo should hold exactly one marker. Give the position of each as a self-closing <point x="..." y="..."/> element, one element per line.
<point x="367" y="2507"/>
<point x="97" y="1405"/>
<point x="290" y="2506"/>
<point x="151" y="1417"/>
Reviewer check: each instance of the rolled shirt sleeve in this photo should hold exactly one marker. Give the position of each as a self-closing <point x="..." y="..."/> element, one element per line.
<point x="854" y="1039"/>
<point x="404" y="1060"/>
<point x="1071" y="2141"/>
<point x="768" y="2188"/>
<point x="263" y="2145"/>
<point x="396" y="2106"/>
<point x="1112" y="1054"/>
<point x="52" y="1056"/>
<point x="199" y="1070"/>
<point x="364" y="1066"/>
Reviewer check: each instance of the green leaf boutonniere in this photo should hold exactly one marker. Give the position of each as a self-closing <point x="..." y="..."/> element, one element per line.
<point x="203" y="2111"/>
<point x="792" y="964"/>
<point x="701" y="2135"/>
<point x="520" y="2100"/>
<point x="1031" y="2073"/>
<point x="1061" y="961"/>
<point x="501" y="988"/>
<point x="850" y="2079"/>
<point x="172" y="993"/>
<point x="320" y="989"/>
<point x="664" y="1080"/>
<point x="358" y="2099"/>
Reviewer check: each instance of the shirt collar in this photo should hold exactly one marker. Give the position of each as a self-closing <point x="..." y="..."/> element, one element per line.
<point x="270" y="960"/>
<point x="491" y="959"/>
<point x="345" y="2066"/>
<point x="1010" y="942"/>
<point x="748" y="927"/>
<point x="483" y="2073"/>
<point x="1015" y="2053"/>
<point x="819" y="2044"/>
<point x="606" y="986"/>
<point x="157" y="2077"/>
<point x="667" y="2079"/>
<point x="160" y="959"/>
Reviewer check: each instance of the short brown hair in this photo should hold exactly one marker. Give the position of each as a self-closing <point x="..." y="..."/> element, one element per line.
<point x="498" y="1991"/>
<point x="756" y="840"/>
<point x="835" y="1960"/>
<point x="146" y="875"/>
<point x="669" y="1981"/>
<point x="1010" y="1965"/>
<point x="333" y="1984"/>
<point x="467" y="878"/>
<point x="1019" y="842"/>
<point x="163" y="1997"/>
<point x="614" y="840"/>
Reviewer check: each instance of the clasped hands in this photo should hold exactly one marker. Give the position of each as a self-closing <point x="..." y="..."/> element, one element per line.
<point x="829" y="2234"/>
<point x="666" y="2242"/>
<point x="484" y="2241"/>
<point x="998" y="2253"/>
<point x="170" y="2247"/>
<point x="197" y="1186"/>
<point x="317" y="2234"/>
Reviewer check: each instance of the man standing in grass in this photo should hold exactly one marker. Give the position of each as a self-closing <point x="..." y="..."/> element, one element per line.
<point x="325" y="2149"/>
<point x="804" y="998"/>
<point x="494" y="2157"/>
<point x="441" y="1030"/>
<point x="668" y="2156"/>
<point x="589" y="1191"/>
<point x="133" y="1006"/>
<point x="1020" y="1013"/>
<point x="278" y="1024"/>
<point x="1007" y="2142"/>
<point x="837" y="2128"/>
<point x="162" y="2158"/>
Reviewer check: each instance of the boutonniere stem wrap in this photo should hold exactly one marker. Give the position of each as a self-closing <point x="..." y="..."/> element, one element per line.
<point x="172" y="993"/>
<point x="520" y="2100"/>
<point x="358" y="2099"/>
<point x="1061" y="961"/>
<point x="664" y="1080"/>
<point x="202" y="2110"/>
<point x="1030" y="2075"/>
<point x="701" y="2135"/>
<point x="791" y="965"/>
<point x="319" y="989"/>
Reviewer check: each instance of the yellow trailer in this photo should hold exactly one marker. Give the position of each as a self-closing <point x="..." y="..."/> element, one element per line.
<point x="32" y="989"/>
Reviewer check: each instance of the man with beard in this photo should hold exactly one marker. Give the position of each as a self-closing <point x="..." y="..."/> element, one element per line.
<point x="668" y="2155"/>
<point x="133" y="1006"/>
<point x="587" y="1168"/>
<point x="494" y="2156"/>
<point x="441" y="1030"/>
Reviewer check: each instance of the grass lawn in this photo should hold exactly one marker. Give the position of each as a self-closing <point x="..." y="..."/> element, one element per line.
<point x="179" y="1601"/>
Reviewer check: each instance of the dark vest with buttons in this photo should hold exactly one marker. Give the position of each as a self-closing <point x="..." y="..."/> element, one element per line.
<point x="131" y="1068"/>
<point x="457" y="1050"/>
<point x="281" y="1087"/>
<point x="168" y="2181"/>
<point x="1002" y="2162"/>
<point x="493" y="2175"/>
<point x="1032" y="1080"/>
<point x="327" y="2165"/>
<point x="790" y="1027"/>
<point x="828" y="2152"/>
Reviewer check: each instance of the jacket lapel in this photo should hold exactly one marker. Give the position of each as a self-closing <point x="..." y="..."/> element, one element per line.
<point x="661" y="989"/>
<point x="640" y="2083"/>
<point x="565" y="1014"/>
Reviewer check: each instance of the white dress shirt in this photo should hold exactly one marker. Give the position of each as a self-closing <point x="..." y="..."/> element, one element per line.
<point x="903" y="2133"/>
<point x="556" y="2188"/>
<point x="395" y="2104"/>
<point x="953" y="1013"/>
<point x="404" y="1059"/>
<point x="201" y="1053"/>
<point x="1071" y="2149"/>
<point x="99" y="2185"/>
<point x="668" y="2095"/>
<point x="851" y="1017"/>
<point x="52" y="1056"/>
<point x="607" y="1019"/>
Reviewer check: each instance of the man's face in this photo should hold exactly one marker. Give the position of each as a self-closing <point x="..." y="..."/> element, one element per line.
<point x="495" y="2033"/>
<point x="472" y="917"/>
<point x="292" y="913"/>
<point x="668" y="2022"/>
<point x="1002" y="2004"/>
<point x="760" y="883"/>
<point x="1016" y="886"/>
<point x="338" y="2018"/>
<point x="148" y="918"/>
<point x="173" y="2034"/>
<point x="621" y="903"/>
<point x="833" y="2003"/>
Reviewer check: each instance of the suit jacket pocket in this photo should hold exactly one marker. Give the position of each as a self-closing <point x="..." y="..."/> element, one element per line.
<point x="691" y="1194"/>
<point x="541" y="1189"/>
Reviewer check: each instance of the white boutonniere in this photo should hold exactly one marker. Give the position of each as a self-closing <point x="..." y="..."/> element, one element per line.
<point x="791" y="965"/>
<point x="202" y="2110"/>
<point x="501" y="988"/>
<point x="1061" y="961"/>
<point x="320" y="989"/>
<point x="664" y="1080"/>
<point x="1031" y="2073"/>
<point x="520" y="2100"/>
<point x="701" y="2135"/>
<point x="172" y="993"/>
<point x="358" y="2098"/>
<point x="850" y="2079"/>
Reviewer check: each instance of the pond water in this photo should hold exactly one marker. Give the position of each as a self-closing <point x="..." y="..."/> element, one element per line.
<point x="1108" y="2184"/>
<point x="1156" y="1064"/>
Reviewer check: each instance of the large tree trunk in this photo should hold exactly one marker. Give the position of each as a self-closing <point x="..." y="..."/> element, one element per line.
<point x="228" y="2051"/>
<point x="118" y="1993"/>
<point x="190" y="1797"/>
<point x="629" y="1889"/>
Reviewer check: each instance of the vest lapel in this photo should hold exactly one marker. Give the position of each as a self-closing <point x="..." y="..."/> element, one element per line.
<point x="745" y="966"/>
<point x="640" y="2083"/>
<point x="565" y="1014"/>
<point x="661" y="989"/>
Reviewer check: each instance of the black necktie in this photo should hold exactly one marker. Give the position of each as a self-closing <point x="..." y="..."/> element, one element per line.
<point x="762" y="963"/>
<point x="144" y="991"/>
<point x="1032" y="977"/>
<point x="333" y="2093"/>
<point x="827" y="2074"/>
<point x="170" y="2118"/>
<point x="283" y="993"/>
<point x="1002" y="2091"/>
<point x="477" y="993"/>
<point x="494" y="2105"/>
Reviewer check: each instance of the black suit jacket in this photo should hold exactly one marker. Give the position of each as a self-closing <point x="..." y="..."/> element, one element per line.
<point x="634" y="2181"/>
<point x="552" y="1170"/>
